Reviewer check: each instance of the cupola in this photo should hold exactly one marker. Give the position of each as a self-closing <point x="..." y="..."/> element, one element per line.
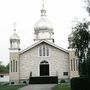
<point x="14" y="41"/>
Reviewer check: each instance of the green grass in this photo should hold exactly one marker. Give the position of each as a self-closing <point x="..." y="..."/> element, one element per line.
<point x="10" y="87"/>
<point x="62" y="87"/>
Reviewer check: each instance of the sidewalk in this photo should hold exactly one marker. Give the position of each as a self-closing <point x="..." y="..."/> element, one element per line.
<point x="38" y="87"/>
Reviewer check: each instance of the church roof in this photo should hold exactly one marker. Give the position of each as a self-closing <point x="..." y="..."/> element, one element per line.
<point x="47" y="42"/>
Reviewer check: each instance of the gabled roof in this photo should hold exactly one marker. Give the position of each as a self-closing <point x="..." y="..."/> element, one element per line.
<point x="45" y="41"/>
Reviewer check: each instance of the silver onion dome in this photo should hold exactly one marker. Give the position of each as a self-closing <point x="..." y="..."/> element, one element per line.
<point x="43" y="23"/>
<point x="14" y="36"/>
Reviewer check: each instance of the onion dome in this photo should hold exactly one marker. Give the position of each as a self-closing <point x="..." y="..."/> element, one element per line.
<point x="43" y="28"/>
<point x="43" y="23"/>
<point x="14" y="41"/>
<point x="14" y="36"/>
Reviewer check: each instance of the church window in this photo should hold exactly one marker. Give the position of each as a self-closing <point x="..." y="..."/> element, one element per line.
<point x="44" y="51"/>
<point x="71" y="66"/>
<point x="77" y="64"/>
<point x="65" y="73"/>
<point x="16" y="66"/>
<point x="40" y="51"/>
<point x="11" y="66"/>
<point x="47" y="50"/>
<point x="74" y="64"/>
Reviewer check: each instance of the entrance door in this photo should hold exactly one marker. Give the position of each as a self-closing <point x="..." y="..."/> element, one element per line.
<point x="44" y="68"/>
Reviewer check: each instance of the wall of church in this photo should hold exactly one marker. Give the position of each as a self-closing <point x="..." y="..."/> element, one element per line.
<point x="30" y="61"/>
<point x="73" y="64"/>
<point x="14" y="74"/>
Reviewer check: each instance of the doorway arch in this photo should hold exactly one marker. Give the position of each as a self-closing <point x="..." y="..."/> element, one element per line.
<point x="44" y="68"/>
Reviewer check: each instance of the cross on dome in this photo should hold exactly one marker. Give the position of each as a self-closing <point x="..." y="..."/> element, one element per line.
<point x="43" y="5"/>
<point x="15" y="27"/>
<point x="43" y="11"/>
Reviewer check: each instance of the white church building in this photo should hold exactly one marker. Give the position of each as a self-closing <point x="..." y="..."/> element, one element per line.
<point x="43" y="58"/>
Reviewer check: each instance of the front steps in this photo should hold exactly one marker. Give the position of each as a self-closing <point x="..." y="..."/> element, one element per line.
<point x="43" y="80"/>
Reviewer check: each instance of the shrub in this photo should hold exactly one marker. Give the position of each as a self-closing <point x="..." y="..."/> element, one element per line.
<point x="12" y="82"/>
<point x="80" y="83"/>
<point x="62" y="81"/>
<point x="24" y="82"/>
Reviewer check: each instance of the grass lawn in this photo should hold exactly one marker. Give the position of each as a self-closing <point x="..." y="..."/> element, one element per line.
<point x="10" y="87"/>
<point x="62" y="87"/>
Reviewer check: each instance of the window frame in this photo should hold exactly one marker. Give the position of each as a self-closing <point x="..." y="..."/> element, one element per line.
<point x="65" y="73"/>
<point x="45" y="51"/>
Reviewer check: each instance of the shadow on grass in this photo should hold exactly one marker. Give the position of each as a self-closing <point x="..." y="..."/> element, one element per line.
<point x="62" y="87"/>
<point x="10" y="87"/>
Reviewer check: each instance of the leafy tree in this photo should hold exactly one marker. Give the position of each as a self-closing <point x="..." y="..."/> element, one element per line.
<point x="3" y="68"/>
<point x="7" y="68"/>
<point x="80" y="41"/>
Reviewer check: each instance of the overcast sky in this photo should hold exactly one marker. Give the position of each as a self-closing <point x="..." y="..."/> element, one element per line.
<point x="26" y="13"/>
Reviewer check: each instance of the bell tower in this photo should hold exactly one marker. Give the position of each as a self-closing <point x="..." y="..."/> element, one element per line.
<point x="14" y="40"/>
<point x="14" y="57"/>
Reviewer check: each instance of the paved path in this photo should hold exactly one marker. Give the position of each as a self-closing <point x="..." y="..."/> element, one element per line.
<point x="38" y="87"/>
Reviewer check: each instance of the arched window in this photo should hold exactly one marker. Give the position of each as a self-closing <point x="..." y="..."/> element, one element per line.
<point x="44" y="62"/>
<point x="16" y="66"/>
<point x="47" y="51"/>
<point x="71" y="66"/>
<point x="11" y="66"/>
<point x="40" y="51"/>
<point x="77" y="64"/>
<point x="44" y="51"/>
<point x="74" y="64"/>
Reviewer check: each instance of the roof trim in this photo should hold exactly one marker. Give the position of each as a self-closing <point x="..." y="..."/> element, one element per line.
<point x="37" y="43"/>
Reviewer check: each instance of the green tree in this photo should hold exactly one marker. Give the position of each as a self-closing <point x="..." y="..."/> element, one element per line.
<point x="3" y="68"/>
<point x="7" y="68"/>
<point x="80" y="41"/>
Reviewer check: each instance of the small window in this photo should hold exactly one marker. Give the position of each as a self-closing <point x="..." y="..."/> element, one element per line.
<point x="65" y="73"/>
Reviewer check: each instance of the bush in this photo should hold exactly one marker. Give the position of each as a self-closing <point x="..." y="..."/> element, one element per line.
<point x="80" y="83"/>
<point x="12" y="82"/>
<point x="62" y="81"/>
<point x="24" y="82"/>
